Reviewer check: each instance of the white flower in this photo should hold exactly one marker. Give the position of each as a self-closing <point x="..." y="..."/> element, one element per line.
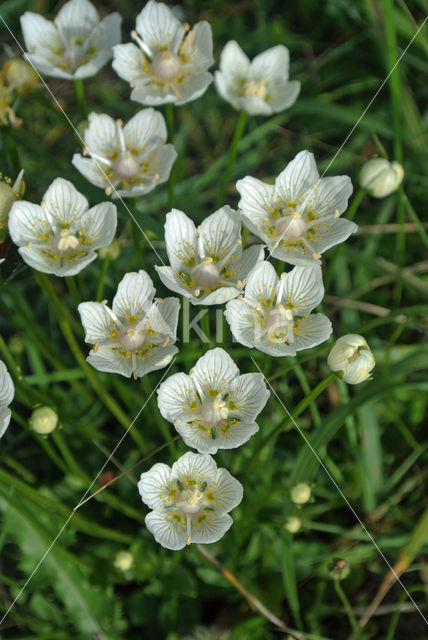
<point x="214" y="407"/>
<point x="190" y="501"/>
<point x="298" y="216"/>
<point x="135" y="336"/>
<point x="257" y="87"/>
<point x="275" y="313"/>
<point x="351" y="356"/>
<point x="6" y="396"/>
<point x="76" y="45"/>
<point x="165" y="67"/>
<point x="381" y="177"/>
<point x="133" y="158"/>
<point x="207" y="264"/>
<point x="123" y="560"/>
<point x="60" y="235"/>
<point x="300" y="493"/>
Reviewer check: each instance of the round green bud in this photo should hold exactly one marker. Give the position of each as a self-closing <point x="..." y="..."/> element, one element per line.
<point x="43" y="420"/>
<point x="300" y="493"/>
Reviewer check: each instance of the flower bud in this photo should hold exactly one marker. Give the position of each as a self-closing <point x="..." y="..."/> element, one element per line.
<point x="43" y="420"/>
<point x="300" y="493"/>
<point x="339" y="569"/>
<point x="8" y="195"/>
<point x="381" y="177"/>
<point x="351" y="358"/>
<point x="20" y="75"/>
<point x="123" y="560"/>
<point x="293" y="524"/>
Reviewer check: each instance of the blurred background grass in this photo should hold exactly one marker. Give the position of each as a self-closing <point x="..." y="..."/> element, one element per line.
<point x="372" y="438"/>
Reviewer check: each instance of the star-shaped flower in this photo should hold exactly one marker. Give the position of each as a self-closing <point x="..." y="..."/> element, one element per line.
<point x="165" y="66"/>
<point x="207" y="263"/>
<point x="214" y="407"/>
<point x="298" y="216"/>
<point x="275" y="313"/>
<point x="60" y="235"/>
<point x="133" y="157"/>
<point x="76" y="45"/>
<point x="137" y="335"/>
<point x="190" y="501"/>
<point x="6" y="396"/>
<point x="257" y="87"/>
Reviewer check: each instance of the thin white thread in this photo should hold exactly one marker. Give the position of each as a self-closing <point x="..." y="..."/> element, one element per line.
<point x="24" y="586"/>
<point x="119" y="197"/>
<point x="358" y="122"/>
<point x="366" y="531"/>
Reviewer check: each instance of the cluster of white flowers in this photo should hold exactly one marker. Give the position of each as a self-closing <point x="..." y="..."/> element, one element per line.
<point x="297" y="218"/>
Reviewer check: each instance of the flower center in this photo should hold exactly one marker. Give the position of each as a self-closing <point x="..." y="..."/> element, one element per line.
<point x="132" y="338"/>
<point x="191" y="501"/>
<point x="279" y="321"/>
<point x="126" y="165"/>
<point x="166" y="65"/>
<point x="255" y="88"/>
<point x="67" y="241"/>
<point x="213" y="411"/>
<point x="206" y="273"/>
<point x="291" y="224"/>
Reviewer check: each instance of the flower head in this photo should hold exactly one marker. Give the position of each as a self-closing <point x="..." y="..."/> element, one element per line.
<point x="132" y="158"/>
<point x="20" y="76"/>
<point x="298" y="216"/>
<point x="190" y="501"/>
<point x="275" y="313"/>
<point x="214" y="407"/>
<point x="300" y="493"/>
<point x="352" y="358"/>
<point x="257" y="87"/>
<point x="6" y="396"/>
<point x="137" y="335"/>
<point x="76" y="45"/>
<point x="207" y="263"/>
<point x="60" y="236"/>
<point x="166" y="66"/>
<point x="381" y="177"/>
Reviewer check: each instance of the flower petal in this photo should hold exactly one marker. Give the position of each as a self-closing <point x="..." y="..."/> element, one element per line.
<point x="260" y="290"/>
<point x="64" y="203"/>
<point x="225" y="492"/>
<point x="180" y="239"/>
<point x="220" y="232"/>
<point x="247" y="396"/>
<point x="192" y="86"/>
<point x="194" y="468"/>
<point x="99" y="226"/>
<point x="90" y="169"/>
<point x="302" y="289"/>
<point x="5" y="416"/>
<point x="156" y="487"/>
<point x="101" y="136"/>
<point x="168" y="528"/>
<point x="47" y="262"/>
<point x="173" y="282"/>
<point x="129" y="62"/>
<point x="96" y="321"/>
<point x="177" y="398"/>
<point x="162" y="318"/>
<point x="39" y="33"/>
<point x="328" y="234"/>
<point x="76" y="19"/>
<point x="159" y="28"/>
<point x="233" y="434"/>
<point x="311" y="331"/>
<point x="197" y="46"/>
<point x="28" y="224"/>
<point x="329" y="195"/>
<point x="146" y="127"/>
<point x="6" y="385"/>
<point x="298" y="176"/>
<point x="134" y="296"/>
<point x="257" y="198"/>
<point x="109" y="359"/>
<point x="283" y="96"/>
<point x="214" y="371"/>
<point x="208" y="528"/>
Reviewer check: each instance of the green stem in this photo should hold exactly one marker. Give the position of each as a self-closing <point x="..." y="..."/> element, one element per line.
<point x="169" y="114"/>
<point x="100" y="286"/>
<point x="72" y="288"/>
<point x="352" y="619"/>
<point x="237" y="135"/>
<point x="110" y="403"/>
<point x="414" y="216"/>
<point x="81" y="100"/>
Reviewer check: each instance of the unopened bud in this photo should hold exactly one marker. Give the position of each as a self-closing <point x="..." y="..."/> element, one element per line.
<point x="123" y="560"/>
<point x="300" y="493"/>
<point x="339" y="569"/>
<point x="43" y="420"/>
<point x="381" y="177"/>
<point x="293" y="524"/>
<point x="351" y="358"/>
<point x="20" y="75"/>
